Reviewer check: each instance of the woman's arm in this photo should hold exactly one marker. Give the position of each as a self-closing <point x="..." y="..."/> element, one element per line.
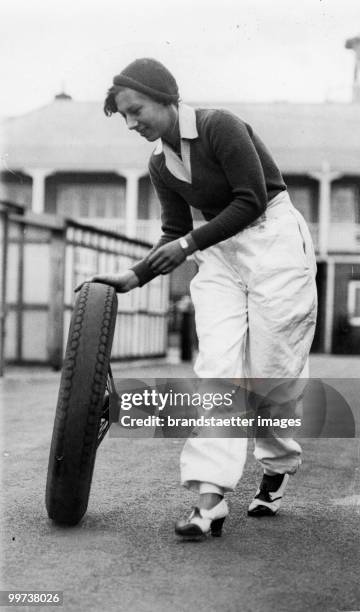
<point x="122" y="283"/>
<point x="167" y="254"/>
<point x="231" y="142"/>
<point x="176" y="221"/>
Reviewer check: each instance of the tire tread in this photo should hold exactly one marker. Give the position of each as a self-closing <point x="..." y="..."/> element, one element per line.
<point x="77" y="421"/>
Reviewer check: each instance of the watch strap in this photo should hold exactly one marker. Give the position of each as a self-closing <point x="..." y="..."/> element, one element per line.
<point x="183" y="243"/>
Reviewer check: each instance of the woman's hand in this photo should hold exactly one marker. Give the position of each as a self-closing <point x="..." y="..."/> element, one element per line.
<point x="122" y="283"/>
<point x="167" y="258"/>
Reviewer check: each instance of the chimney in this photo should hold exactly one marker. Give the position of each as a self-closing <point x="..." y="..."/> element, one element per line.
<point x="62" y="96"/>
<point x="354" y="44"/>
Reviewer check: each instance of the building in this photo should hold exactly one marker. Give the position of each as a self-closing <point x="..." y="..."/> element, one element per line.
<point x="68" y="159"/>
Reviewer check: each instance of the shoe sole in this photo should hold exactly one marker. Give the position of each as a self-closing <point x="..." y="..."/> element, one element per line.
<point x="194" y="532"/>
<point x="262" y="511"/>
<point x="197" y="537"/>
<point x="194" y="538"/>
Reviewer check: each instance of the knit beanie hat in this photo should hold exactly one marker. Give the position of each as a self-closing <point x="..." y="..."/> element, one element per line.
<point x="151" y="78"/>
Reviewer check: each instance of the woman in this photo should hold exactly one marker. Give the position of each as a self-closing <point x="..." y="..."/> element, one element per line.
<point x="254" y="293"/>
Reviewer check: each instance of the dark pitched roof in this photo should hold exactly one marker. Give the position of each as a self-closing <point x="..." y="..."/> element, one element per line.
<point x="68" y="135"/>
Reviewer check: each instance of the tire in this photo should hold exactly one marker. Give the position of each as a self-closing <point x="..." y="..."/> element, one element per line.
<point x="82" y="403"/>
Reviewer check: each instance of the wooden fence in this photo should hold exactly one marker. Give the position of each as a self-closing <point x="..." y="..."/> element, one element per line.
<point x="42" y="259"/>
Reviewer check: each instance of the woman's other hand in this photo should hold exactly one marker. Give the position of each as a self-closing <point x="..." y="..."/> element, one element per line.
<point x="167" y="257"/>
<point x="122" y="283"/>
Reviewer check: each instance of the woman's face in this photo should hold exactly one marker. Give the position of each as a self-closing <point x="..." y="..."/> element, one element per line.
<point x="149" y="118"/>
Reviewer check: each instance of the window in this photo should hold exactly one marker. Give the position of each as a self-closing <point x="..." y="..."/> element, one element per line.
<point x="354" y="302"/>
<point x="91" y="200"/>
<point x="345" y="204"/>
<point x="148" y="205"/>
<point x="303" y="198"/>
<point x="16" y="188"/>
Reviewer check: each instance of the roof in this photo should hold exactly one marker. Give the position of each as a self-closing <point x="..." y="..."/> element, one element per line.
<point x="76" y="136"/>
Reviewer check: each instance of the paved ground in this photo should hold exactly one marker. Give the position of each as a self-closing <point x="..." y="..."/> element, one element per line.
<point x="124" y="556"/>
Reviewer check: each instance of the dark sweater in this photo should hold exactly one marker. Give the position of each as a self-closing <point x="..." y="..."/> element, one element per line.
<point x="233" y="178"/>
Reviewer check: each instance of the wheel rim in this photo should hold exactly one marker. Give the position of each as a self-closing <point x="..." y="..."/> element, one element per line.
<point x="104" y="425"/>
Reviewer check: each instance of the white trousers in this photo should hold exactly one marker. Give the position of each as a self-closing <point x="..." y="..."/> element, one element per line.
<point x="255" y="306"/>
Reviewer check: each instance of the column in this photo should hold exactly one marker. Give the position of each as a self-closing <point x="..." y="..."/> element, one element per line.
<point x="132" y="196"/>
<point x="325" y="178"/>
<point x="38" y="176"/>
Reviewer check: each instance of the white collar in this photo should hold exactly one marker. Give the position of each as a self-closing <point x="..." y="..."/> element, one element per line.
<point x="187" y="126"/>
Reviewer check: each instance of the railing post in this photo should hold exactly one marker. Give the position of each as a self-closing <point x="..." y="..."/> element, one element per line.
<point x="6" y="208"/>
<point x="4" y="223"/>
<point x="329" y="305"/>
<point x="55" y="331"/>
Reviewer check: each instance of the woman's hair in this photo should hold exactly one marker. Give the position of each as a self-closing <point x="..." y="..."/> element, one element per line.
<point x="147" y="76"/>
<point x="110" y="106"/>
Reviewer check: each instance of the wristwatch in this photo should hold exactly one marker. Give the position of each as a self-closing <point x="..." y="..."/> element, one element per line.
<point x="184" y="244"/>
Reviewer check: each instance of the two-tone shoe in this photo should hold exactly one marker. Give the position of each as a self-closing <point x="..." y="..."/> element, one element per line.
<point x="267" y="500"/>
<point x="202" y="523"/>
